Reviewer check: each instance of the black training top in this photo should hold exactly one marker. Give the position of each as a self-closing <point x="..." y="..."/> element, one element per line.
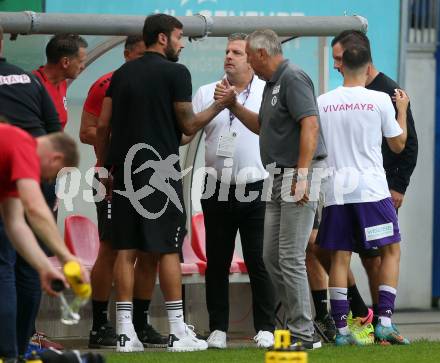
<point x="398" y="167"/>
<point x="143" y="92"/>
<point x="25" y="102"/>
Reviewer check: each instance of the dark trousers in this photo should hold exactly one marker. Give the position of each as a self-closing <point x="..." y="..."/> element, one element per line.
<point x="20" y="293"/>
<point x="222" y="221"/>
<point x="20" y="301"/>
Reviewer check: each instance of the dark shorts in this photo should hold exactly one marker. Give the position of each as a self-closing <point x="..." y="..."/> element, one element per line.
<point x="370" y="253"/>
<point x="103" y="215"/>
<point x="150" y="224"/>
<point x="316" y="221"/>
<point x="359" y="226"/>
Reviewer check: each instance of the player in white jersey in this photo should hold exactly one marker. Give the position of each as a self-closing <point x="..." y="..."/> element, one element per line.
<point x="358" y="211"/>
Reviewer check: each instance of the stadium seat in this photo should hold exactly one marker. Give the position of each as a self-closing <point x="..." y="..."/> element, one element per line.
<point x="191" y="263"/>
<point x="82" y="239"/>
<point x="198" y="242"/>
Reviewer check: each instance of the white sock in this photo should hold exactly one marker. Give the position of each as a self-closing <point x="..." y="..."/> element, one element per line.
<point x="124" y="323"/>
<point x="175" y="317"/>
<point x="344" y="331"/>
<point x="385" y="321"/>
<point x="338" y="293"/>
<point x="388" y="288"/>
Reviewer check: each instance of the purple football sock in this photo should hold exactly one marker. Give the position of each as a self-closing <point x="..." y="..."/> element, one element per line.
<point x="386" y="301"/>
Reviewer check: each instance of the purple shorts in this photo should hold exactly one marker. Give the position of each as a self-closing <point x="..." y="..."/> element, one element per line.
<point x="358" y="226"/>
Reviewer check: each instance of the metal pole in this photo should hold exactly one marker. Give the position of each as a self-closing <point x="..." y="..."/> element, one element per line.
<point x="29" y="22"/>
<point x="404" y="39"/>
<point x="323" y="65"/>
<point x="103" y="48"/>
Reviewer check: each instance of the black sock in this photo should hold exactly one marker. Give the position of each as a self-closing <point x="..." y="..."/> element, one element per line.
<point x="320" y="302"/>
<point x="375" y="314"/>
<point x="100" y="312"/>
<point x="376" y="309"/>
<point x="357" y="304"/>
<point x="140" y="313"/>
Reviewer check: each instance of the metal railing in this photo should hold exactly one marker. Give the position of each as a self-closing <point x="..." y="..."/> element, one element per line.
<point x="29" y="22"/>
<point x="419" y="24"/>
<point x="422" y="24"/>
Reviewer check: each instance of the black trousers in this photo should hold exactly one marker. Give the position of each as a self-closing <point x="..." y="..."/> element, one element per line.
<point x="222" y="221"/>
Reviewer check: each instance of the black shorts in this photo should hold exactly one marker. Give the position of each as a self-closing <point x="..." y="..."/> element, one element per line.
<point x="370" y="253"/>
<point x="103" y="214"/>
<point x="152" y="223"/>
<point x="316" y="221"/>
<point x="104" y="217"/>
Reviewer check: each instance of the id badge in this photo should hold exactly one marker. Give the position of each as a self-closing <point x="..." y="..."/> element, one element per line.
<point x="226" y="144"/>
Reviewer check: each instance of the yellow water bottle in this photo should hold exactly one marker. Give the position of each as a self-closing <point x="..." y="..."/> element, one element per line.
<point x="72" y="271"/>
<point x="82" y="291"/>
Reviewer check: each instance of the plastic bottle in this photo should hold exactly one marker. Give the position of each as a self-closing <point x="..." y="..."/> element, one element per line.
<point x="70" y="311"/>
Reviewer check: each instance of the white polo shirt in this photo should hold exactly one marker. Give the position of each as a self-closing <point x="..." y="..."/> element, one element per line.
<point x="353" y="121"/>
<point x="247" y="166"/>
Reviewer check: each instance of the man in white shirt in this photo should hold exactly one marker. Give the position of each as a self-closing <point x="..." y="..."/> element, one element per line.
<point x="232" y="155"/>
<point x="358" y="210"/>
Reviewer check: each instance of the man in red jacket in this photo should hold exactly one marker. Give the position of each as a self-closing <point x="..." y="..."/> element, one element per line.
<point x="66" y="56"/>
<point x="24" y="161"/>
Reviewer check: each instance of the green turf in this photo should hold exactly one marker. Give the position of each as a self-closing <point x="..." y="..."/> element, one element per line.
<point x="418" y="352"/>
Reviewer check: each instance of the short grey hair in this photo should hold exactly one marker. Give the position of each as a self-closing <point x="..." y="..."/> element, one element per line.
<point x="265" y="39"/>
<point x="237" y="36"/>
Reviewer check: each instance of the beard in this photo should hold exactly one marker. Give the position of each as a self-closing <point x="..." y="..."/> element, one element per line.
<point x="171" y="53"/>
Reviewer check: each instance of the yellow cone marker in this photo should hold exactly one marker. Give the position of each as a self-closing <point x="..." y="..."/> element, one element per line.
<point x="282" y="352"/>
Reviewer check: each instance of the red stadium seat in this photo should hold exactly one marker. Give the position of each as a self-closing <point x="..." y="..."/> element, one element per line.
<point x="82" y="239"/>
<point x="198" y="235"/>
<point x="240" y="262"/>
<point x="198" y="242"/>
<point x="191" y="263"/>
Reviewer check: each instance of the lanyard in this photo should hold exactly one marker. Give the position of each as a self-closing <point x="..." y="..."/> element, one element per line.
<point x="246" y="93"/>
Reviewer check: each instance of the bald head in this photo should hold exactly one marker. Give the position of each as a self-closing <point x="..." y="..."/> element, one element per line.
<point x="56" y="151"/>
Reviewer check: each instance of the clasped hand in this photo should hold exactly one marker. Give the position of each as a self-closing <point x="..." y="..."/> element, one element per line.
<point x="225" y="94"/>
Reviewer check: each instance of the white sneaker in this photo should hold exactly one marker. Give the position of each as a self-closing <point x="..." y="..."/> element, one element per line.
<point x="217" y="339"/>
<point x="187" y="342"/>
<point x="264" y="339"/>
<point x="128" y="342"/>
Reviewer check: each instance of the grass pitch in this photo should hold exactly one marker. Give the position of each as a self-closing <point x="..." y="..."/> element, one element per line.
<point x="418" y="352"/>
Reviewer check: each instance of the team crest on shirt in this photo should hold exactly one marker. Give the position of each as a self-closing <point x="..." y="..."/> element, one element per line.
<point x="274" y="100"/>
<point x="276" y="89"/>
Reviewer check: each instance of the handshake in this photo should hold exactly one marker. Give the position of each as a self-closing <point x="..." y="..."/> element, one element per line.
<point x="225" y="95"/>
